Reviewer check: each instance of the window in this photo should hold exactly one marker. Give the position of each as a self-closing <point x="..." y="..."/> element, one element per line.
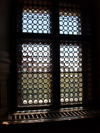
<point x="36" y="20"/>
<point x="70" y="22"/>
<point x="53" y="54"/>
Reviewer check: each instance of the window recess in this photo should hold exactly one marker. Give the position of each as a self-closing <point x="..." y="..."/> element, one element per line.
<point x="58" y="72"/>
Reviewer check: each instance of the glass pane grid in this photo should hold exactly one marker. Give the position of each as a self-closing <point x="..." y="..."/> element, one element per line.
<point x="75" y="73"/>
<point x="71" y="90"/>
<point x="70" y="22"/>
<point x="36" y="20"/>
<point x="34" y="65"/>
<point x="34" y="89"/>
<point x="71" y="80"/>
<point x="70" y="57"/>
<point x="35" y="57"/>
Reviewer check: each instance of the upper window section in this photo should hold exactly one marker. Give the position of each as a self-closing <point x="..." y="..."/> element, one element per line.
<point x="70" y="58"/>
<point x="70" y="22"/>
<point x="36" y="20"/>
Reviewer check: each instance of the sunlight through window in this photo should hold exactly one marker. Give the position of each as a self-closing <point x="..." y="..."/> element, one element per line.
<point x="35" y="77"/>
<point x="71" y="90"/>
<point x="70" y="22"/>
<point x="36" y="20"/>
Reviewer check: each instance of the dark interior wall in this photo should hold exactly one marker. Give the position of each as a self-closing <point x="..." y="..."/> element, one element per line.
<point x="5" y="63"/>
<point x="5" y="6"/>
<point x="97" y="43"/>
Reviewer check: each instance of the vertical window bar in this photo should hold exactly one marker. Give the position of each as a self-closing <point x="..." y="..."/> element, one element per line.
<point x="56" y="66"/>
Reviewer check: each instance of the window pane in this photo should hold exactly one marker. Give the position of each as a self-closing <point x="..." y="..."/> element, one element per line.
<point x="34" y="89"/>
<point x="36" y="20"/>
<point x="70" y="22"/>
<point x="34" y="73"/>
<point x="71" y="81"/>
<point x="71" y="88"/>
<point x="36" y="57"/>
<point x="70" y="57"/>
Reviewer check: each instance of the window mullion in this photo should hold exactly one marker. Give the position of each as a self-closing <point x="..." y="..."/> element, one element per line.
<point x="56" y="65"/>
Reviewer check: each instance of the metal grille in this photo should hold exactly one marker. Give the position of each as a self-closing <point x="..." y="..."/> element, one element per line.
<point x="47" y="115"/>
<point x="70" y="22"/>
<point x="35" y="73"/>
<point x="73" y="72"/>
<point x="36" y="20"/>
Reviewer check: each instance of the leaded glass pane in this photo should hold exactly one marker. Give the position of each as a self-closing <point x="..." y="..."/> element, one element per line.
<point x="71" y="88"/>
<point x="34" y="67"/>
<point x="71" y="81"/>
<point x="70" y="58"/>
<point x="35" y="88"/>
<point x="36" y="20"/>
<point x="70" y="22"/>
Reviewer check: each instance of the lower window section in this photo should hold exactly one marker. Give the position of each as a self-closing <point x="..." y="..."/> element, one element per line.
<point x="75" y="88"/>
<point x="34" y="89"/>
<point x="35" y="73"/>
<point x="71" y="88"/>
